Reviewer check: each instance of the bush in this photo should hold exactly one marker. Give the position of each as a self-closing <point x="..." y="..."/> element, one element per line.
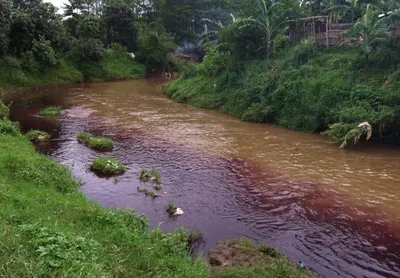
<point x="50" y="111"/>
<point x="91" y="50"/>
<point x="4" y="111"/>
<point x="280" y="42"/>
<point x="107" y="165"/>
<point x="7" y="127"/>
<point x="153" y="47"/>
<point x="43" y="52"/>
<point x="96" y="143"/>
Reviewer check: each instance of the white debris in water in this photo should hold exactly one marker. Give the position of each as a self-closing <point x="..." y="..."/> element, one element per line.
<point x="178" y="211"/>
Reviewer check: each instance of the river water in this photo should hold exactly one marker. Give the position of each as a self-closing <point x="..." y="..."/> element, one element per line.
<point x="336" y="210"/>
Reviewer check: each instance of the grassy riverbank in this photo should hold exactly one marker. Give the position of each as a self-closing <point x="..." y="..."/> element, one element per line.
<point x="303" y="88"/>
<point x="49" y="229"/>
<point x="17" y="73"/>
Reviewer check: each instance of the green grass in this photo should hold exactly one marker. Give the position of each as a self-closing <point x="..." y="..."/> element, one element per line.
<point x="16" y="73"/>
<point x="50" y="111"/>
<point x="34" y="135"/>
<point x="96" y="143"/>
<point x="107" y="165"/>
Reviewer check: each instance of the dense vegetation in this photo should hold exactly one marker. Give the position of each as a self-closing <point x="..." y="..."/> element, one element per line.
<point x="253" y="71"/>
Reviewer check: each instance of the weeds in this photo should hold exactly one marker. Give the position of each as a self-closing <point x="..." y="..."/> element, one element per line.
<point x="157" y="187"/>
<point x="50" y="111"/>
<point x="107" y="165"/>
<point x="194" y="238"/>
<point x="148" y="193"/>
<point x="150" y="176"/>
<point x="171" y="208"/>
<point x="96" y="143"/>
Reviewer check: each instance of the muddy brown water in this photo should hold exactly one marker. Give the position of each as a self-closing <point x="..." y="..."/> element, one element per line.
<point x="336" y="210"/>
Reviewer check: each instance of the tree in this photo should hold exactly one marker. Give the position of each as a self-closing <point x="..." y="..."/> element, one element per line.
<point x="5" y="25"/>
<point x="271" y="17"/>
<point x="370" y="31"/>
<point x="119" y="19"/>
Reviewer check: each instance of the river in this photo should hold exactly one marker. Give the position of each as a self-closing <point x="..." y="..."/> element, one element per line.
<point x="337" y="210"/>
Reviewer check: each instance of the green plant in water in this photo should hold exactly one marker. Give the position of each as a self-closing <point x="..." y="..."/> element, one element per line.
<point x="107" y="165"/>
<point x="37" y="135"/>
<point x="157" y="187"/>
<point x="152" y="175"/>
<point x="171" y="208"/>
<point x="96" y="143"/>
<point x="148" y="193"/>
<point x="50" y="111"/>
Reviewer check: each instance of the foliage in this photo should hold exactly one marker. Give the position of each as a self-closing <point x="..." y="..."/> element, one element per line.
<point x="5" y="25"/>
<point x="44" y="52"/>
<point x="8" y="127"/>
<point x="90" y="50"/>
<point x="50" y="111"/>
<point x="304" y="88"/>
<point x="152" y="176"/>
<point x="96" y="143"/>
<point x="372" y="30"/>
<point x="107" y="165"/>
<point x="153" y="46"/>
<point x="149" y="193"/>
<point x="34" y="135"/>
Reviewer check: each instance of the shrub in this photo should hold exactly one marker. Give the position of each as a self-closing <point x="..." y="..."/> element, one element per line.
<point x="107" y="165"/>
<point x="280" y="42"/>
<point x="50" y="111"/>
<point x="4" y="111"/>
<point x="96" y="143"/>
<point x="8" y="127"/>
<point x="37" y="135"/>
<point x="90" y="50"/>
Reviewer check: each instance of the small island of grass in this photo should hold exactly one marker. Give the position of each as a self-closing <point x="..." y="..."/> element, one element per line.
<point x="50" y="111"/>
<point x="107" y="165"/>
<point x="37" y="135"/>
<point x="96" y="143"/>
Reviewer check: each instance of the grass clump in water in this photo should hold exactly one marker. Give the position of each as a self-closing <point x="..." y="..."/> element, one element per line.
<point x="50" y="111"/>
<point x="37" y="135"/>
<point x="171" y="208"/>
<point x="150" y="176"/>
<point x="107" y="165"/>
<point x="148" y="193"/>
<point x="157" y="187"/>
<point x="96" y="143"/>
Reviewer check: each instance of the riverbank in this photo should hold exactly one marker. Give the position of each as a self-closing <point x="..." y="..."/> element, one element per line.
<point x="303" y="88"/>
<point x="17" y="73"/>
<point x="50" y="228"/>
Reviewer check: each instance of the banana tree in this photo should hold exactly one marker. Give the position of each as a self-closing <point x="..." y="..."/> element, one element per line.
<point x="371" y="31"/>
<point x="272" y="18"/>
